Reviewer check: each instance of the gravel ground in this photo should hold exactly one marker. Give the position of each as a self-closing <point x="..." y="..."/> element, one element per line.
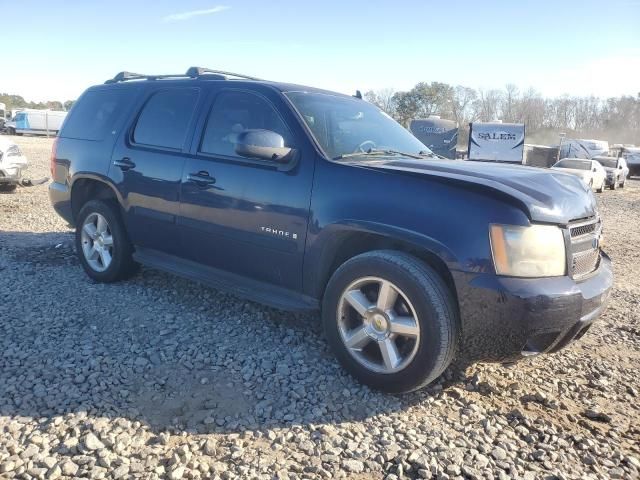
<point x="160" y="377"/>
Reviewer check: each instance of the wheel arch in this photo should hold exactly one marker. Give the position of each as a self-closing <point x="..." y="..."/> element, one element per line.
<point x="87" y="187"/>
<point x="343" y="242"/>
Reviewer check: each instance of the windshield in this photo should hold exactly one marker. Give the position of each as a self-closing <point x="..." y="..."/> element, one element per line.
<point x="608" y="162"/>
<point x="343" y="126"/>
<point x="574" y="164"/>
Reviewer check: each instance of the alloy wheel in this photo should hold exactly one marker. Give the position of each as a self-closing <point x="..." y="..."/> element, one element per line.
<point x="378" y="325"/>
<point x="97" y="242"/>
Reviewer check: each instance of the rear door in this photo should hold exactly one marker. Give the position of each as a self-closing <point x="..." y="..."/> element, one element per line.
<point x="241" y="215"/>
<point x="147" y="165"/>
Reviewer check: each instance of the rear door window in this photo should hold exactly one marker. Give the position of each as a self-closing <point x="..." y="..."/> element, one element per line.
<point x="94" y="115"/>
<point x="165" y="118"/>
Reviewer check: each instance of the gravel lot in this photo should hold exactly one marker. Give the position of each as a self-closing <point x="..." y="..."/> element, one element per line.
<point x="160" y="377"/>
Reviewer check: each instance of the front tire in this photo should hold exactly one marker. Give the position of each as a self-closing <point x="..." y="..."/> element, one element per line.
<point x="390" y="320"/>
<point x="8" y="187"/>
<point x="102" y="243"/>
<point x="614" y="185"/>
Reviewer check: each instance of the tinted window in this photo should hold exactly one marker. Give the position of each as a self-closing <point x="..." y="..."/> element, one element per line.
<point x="234" y="112"/>
<point x="94" y="115"/>
<point x="574" y="164"/>
<point x="165" y="118"/>
<point x="608" y="162"/>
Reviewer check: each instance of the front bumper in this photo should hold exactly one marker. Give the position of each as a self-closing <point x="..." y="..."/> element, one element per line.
<point x="10" y="175"/>
<point x="505" y="319"/>
<point x="608" y="181"/>
<point x="634" y="169"/>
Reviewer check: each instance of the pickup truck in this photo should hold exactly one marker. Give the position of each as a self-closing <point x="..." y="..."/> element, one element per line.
<point x="309" y="200"/>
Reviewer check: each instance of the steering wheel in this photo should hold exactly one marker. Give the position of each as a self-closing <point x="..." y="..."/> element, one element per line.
<point x="362" y="147"/>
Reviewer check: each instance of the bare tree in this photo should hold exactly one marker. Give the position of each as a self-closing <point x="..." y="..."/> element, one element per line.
<point x="461" y="104"/>
<point x="383" y="99"/>
<point x="511" y="97"/>
<point x="488" y="105"/>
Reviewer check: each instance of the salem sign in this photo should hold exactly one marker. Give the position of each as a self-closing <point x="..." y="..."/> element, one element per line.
<point x="496" y="142"/>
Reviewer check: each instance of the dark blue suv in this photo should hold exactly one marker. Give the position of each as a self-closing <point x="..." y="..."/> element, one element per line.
<point x="305" y="199"/>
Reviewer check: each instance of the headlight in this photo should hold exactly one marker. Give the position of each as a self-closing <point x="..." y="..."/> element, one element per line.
<point x="13" y="151"/>
<point x="535" y="251"/>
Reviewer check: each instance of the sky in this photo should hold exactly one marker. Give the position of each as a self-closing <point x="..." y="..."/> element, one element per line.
<point x="54" y="50"/>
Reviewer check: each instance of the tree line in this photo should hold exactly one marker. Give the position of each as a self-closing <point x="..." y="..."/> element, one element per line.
<point x="16" y="101"/>
<point x="614" y="119"/>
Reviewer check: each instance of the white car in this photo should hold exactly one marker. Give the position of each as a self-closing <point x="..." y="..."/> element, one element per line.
<point x="12" y="163"/>
<point x="616" y="169"/>
<point x="590" y="171"/>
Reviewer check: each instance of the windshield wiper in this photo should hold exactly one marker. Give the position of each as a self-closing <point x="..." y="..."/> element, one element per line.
<point x="379" y="153"/>
<point x="424" y="153"/>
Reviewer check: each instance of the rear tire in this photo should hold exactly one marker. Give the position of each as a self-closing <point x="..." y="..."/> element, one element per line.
<point x="8" y="187"/>
<point x="102" y="242"/>
<point x="418" y="326"/>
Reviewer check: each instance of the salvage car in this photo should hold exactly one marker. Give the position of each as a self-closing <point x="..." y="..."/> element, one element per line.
<point x="616" y="170"/>
<point x="631" y="156"/>
<point x="12" y="164"/>
<point x="309" y="200"/>
<point x="589" y="171"/>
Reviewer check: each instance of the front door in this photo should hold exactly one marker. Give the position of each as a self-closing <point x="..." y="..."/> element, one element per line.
<point x="147" y="166"/>
<point x="241" y="215"/>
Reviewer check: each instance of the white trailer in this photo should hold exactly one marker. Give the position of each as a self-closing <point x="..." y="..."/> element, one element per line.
<point x="583" y="148"/>
<point x="36" y="122"/>
<point x="496" y="142"/>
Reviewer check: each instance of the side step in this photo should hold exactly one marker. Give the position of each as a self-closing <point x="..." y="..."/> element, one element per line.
<point x="261" y="292"/>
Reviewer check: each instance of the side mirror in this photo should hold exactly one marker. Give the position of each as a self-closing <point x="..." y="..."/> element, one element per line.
<point x="262" y="144"/>
<point x="620" y="167"/>
<point x="594" y="169"/>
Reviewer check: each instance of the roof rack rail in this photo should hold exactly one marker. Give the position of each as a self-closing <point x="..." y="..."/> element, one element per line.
<point x="195" y="72"/>
<point x="125" y="76"/>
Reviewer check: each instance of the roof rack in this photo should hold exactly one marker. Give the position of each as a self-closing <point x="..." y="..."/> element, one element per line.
<point x="196" y="72"/>
<point x="126" y="76"/>
<point x="192" y="72"/>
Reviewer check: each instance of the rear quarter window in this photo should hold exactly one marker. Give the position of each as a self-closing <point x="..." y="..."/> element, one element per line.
<point x="94" y="115"/>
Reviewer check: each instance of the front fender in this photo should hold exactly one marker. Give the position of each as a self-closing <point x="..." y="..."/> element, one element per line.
<point x="324" y="247"/>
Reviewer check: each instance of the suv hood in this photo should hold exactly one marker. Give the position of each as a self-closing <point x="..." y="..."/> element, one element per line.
<point x="545" y="195"/>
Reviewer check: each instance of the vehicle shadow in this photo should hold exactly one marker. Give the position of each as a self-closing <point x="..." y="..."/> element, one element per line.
<point x="165" y="351"/>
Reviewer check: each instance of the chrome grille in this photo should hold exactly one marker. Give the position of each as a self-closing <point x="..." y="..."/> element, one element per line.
<point x="584" y="263"/>
<point x="585" y="247"/>
<point x="584" y="229"/>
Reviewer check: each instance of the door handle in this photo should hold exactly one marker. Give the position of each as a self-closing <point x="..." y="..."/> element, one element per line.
<point x="202" y="178"/>
<point x="124" y="164"/>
